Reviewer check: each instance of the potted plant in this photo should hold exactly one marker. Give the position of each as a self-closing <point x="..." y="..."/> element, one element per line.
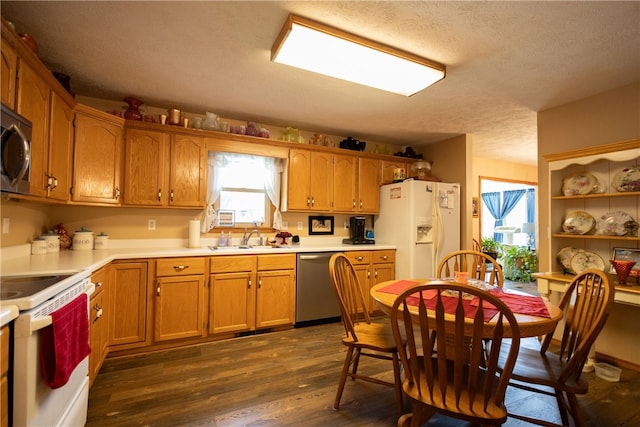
<point x="491" y="247"/>
<point x="520" y="263"/>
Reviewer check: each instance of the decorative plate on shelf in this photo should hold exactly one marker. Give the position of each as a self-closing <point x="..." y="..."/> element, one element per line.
<point x="580" y="183"/>
<point x="585" y="260"/>
<point x="614" y="223"/>
<point x="578" y="222"/>
<point x="564" y="256"/>
<point x="628" y="179"/>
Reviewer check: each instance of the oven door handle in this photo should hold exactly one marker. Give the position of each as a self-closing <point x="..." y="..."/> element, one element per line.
<point x="43" y="322"/>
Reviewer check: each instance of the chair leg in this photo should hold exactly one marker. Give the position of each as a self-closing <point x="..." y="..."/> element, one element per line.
<point x="562" y="406"/>
<point x="343" y="377"/>
<point x="356" y="361"/>
<point x="575" y="410"/>
<point x="397" y="382"/>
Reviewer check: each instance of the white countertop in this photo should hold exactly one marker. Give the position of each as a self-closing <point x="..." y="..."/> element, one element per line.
<point x="17" y="260"/>
<point x="7" y="313"/>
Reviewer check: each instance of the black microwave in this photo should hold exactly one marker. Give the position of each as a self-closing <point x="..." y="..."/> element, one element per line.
<point x="16" y="152"/>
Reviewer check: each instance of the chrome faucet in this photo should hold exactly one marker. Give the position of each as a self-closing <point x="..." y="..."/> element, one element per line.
<point x="245" y="237"/>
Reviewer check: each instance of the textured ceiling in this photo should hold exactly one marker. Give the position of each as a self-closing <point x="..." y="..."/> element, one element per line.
<point x="505" y="62"/>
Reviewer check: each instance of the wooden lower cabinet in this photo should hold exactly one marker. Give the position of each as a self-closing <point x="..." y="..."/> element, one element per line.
<point x="251" y="292"/>
<point x="129" y="296"/>
<point x="373" y="267"/>
<point x="99" y="316"/>
<point x="4" y="376"/>
<point x="179" y="305"/>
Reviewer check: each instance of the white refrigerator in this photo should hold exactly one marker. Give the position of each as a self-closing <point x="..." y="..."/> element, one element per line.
<point x="422" y="219"/>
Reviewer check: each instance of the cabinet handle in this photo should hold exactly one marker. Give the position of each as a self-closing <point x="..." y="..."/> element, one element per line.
<point x="354" y="203"/>
<point x="49" y="181"/>
<point x="159" y="194"/>
<point x="249" y="283"/>
<point x="98" y="311"/>
<point x="313" y="202"/>
<point x="259" y="283"/>
<point x="158" y="290"/>
<point x="375" y="275"/>
<point x="55" y="183"/>
<point x="171" y="195"/>
<point x="180" y="267"/>
<point x="98" y="284"/>
<point x="368" y="274"/>
<point x="384" y="257"/>
<point x="308" y="201"/>
<point x="361" y="204"/>
<point x="117" y="193"/>
<point x="359" y="258"/>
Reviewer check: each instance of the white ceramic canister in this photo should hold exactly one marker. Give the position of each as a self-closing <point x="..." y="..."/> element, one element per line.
<point x="53" y="241"/>
<point x="101" y="241"/>
<point x="39" y="246"/>
<point x="82" y="240"/>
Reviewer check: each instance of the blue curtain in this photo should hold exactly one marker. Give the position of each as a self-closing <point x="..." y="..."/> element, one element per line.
<point x="531" y="212"/>
<point x="492" y="202"/>
<point x="510" y="200"/>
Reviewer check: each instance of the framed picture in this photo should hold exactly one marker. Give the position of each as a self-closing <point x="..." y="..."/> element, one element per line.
<point x="628" y="254"/>
<point x="320" y="225"/>
<point x="226" y="218"/>
<point x="474" y="207"/>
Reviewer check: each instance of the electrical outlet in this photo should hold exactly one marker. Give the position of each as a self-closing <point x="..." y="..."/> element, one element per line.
<point x="285" y="225"/>
<point x="152" y="224"/>
<point x="346" y="225"/>
<point x="299" y="225"/>
<point x="5" y="225"/>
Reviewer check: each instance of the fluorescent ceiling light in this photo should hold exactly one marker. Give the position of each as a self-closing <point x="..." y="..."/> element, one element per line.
<point x="312" y="46"/>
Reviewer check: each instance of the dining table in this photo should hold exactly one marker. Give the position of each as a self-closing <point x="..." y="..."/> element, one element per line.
<point x="535" y="316"/>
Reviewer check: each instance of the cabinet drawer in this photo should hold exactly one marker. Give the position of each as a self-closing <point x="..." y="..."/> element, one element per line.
<point x="179" y="266"/>
<point x="232" y="264"/>
<point x="99" y="279"/>
<point x="359" y="257"/>
<point x="277" y="262"/>
<point x="383" y="256"/>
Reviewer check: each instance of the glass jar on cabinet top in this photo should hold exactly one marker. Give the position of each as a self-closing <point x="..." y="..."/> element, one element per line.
<point x="211" y="121"/>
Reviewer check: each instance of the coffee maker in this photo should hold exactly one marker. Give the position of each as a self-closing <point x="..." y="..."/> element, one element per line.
<point x="357" y="232"/>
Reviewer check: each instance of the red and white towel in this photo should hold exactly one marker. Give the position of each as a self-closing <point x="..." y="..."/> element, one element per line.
<point x="65" y="343"/>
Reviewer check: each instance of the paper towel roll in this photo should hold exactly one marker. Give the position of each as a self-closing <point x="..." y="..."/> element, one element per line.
<point x="194" y="233"/>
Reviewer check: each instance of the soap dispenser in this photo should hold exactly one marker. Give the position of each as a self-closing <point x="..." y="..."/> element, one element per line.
<point x="222" y="241"/>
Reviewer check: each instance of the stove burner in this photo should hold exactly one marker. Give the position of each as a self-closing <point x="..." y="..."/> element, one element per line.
<point x="24" y="286"/>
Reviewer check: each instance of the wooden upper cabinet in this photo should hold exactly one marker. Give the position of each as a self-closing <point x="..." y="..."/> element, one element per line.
<point x="8" y="74"/>
<point x="97" y="157"/>
<point x="187" y="173"/>
<point x="144" y="167"/>
<point x="310" y="182"/>
<point x="345" y="195"/>
<point x="33" y="103"/>
<point x="388" y="167"/>
<point x="368" y="185"/>
<point x="60" y="149"/>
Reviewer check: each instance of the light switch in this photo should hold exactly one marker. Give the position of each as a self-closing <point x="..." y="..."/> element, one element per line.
<point x="152" y="224"/>
<point x="5" y="225"/>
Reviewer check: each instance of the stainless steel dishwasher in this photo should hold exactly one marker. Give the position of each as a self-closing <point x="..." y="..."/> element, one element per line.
<point x="315" y="298"/>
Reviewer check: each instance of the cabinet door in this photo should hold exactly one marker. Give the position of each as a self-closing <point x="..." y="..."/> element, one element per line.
<point x="33" y="103"/>
<point x="232" y="302"/>
<point x="129" y="302"/>
<point x="321" y="183"/>
<point x="368" y="185"/>
<point x="298" y="196"/>
<point x="388" y="167"/>
<point x="344" y="175"/>
<point x="60" y="143"/>
<point x="276" y="298"/>
<point x="179" y="307"/>
<point x="97" y="160"/>
<point x="8" y="73"/>
<point x="99" y="322"/>
<point x="145" y="162"/>
<point x="187" y="179"/>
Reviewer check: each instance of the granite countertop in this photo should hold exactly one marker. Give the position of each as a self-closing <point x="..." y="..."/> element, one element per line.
<point x="17" y="260"/>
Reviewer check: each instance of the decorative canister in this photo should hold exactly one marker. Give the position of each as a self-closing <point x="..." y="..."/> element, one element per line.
<point x="82" y="240"/>
<point x="101" y="241"/>
<point x="53" y="241"/>
<point x="39" y="246"/>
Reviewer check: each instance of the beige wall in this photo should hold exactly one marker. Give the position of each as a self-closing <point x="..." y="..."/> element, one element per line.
<point x="488" y="168"/>
<point x="605" y="118"/>
<point x="29" y="220"/>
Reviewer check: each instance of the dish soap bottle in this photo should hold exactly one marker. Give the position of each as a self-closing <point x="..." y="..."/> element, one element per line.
<point x="229" y="240"/>
<point x="222" y="240"/>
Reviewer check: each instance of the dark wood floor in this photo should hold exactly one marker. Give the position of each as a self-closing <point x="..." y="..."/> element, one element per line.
<point x="289" y="378"/>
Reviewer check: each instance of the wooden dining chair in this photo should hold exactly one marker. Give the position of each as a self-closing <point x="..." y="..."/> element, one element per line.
<point x="455" y="380"/>
<point x="478" y="264"/>
<point x="362" y="337"/>
<point x="585" y="304"/>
